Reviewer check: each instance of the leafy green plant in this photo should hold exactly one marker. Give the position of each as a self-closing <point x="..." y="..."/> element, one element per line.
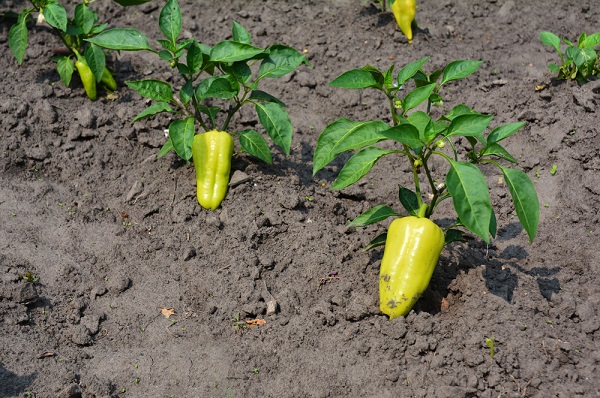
<point x="458" y="138"/>
<point x="579" y="61"/>
<point x="216" y="82"/>
<point x="87" y="58"/>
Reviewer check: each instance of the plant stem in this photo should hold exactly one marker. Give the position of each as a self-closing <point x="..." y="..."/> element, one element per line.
<point x="422" y="210"/>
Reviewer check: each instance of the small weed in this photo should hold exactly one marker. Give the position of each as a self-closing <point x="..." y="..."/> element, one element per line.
<point x="30" y="278"/>
<point x="491" y="343"/>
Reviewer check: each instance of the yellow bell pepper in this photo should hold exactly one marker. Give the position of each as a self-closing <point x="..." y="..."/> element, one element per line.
<point x="412" y="249"/>
<point x="211" y="153"/>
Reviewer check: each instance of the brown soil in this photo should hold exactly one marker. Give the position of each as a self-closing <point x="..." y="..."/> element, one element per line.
<point x="92" y="326"/>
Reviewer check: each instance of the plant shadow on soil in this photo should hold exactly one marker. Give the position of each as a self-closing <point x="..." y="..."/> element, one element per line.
<point x="13" y="384"/>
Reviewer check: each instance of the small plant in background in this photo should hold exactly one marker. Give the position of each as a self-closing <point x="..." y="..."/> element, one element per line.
<point x="413" y="244"/>
<point x="579" y="61"/>
<point x="215" y="83"/>
<point x="88" y="59"/>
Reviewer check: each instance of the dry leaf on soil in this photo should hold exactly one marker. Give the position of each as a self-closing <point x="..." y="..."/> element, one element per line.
<point x="167" y="312"/>
<point x="255" y="322"/>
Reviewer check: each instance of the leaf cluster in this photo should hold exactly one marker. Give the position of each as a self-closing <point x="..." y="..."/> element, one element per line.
<point x="73" y="31"/>
<point x="419" y="138"/>
<point x="216" y="82"/>
<point x="579" y="61"/>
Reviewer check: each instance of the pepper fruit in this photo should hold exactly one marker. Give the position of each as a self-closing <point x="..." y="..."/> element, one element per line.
<point x="211" y="153"/>
<point x="108" y="81"/>
<point x="87" y="78"/>
<point x="404" y="11"/>
<point x="412" y="249"/>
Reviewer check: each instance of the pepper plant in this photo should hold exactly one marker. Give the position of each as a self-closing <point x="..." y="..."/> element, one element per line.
<point x="413" y="243"/>
<point x="88" y="59"/>
<point x="579" y="62"/>
<point x="216" y="82"/>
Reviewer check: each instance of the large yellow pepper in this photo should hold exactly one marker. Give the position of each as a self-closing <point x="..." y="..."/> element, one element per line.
<point x="404" y="11"/>
<point x="211" y="153"/>
<point x="412" y="250"/>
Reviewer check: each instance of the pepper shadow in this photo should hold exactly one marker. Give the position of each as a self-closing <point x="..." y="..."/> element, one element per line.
<point x="12" y="385"/>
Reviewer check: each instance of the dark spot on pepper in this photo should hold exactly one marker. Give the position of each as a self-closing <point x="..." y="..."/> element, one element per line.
<point x="386" y="278"/>
<point x="391" y="304"/>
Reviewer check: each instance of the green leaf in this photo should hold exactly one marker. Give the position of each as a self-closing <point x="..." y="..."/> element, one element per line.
<point x="469" y="126"/>
<point x="97" y="29"/>
<point x="417" y="97"/>
<point x="224" y="87"/>
<point x="17" y="36"/>
<point x="165" y="55"/>
<point x="504" y="131"/>
<point x="65" y="67"/>
<point x="388" y="79"/>
<point x="459" y="110"/>
<point x="358" y="166"/>
<point x="471" y="197"/>
<point x="254" y="143"/>
<point x="96" y="60"/>
<point x="493" y="225"/>
<point x="355" y="79"/>
<point x="194" y="57"/>
<point x="378" y="241"/>
<point x="210" y="111"/>
<point x="453" y="235"/>
<point x="232" y="51"/>
<point x="181" y="133"/>
<point x="85" y="18"/>
<point x="373" y="215"/>
<point x="121" y="39"/>
<point x="166" y="148"/>
<point x="169" y="20"/>
<point x="524" y="198"/>
<point x="409" y="200"/>
<point x="553" y="68"/>
<point x="550" y="39"/>
<point x="572" y="52"/>
<point x="497" y="150"/>
<point x="592" y="40"/>
<point x="410" y="70"/>
<point x="56" y="15"/>
<point x="167" y="45"/>
<point x="153" y="89"/>
<point x="241" y="71"/>
<point x="405" y="133"/>
<point x="423" y="122"/>
<point x="280" y="61"/>
<point x="345" y="135"/>
<point x="277" y="123"/>
<point x="187" y="92"/>
<point x="261" y="96"/>
<point x="376" y="73"/>
<point x="240" y="34"/>
<point x="459" y="70"/>
<point x="152" y="110"/>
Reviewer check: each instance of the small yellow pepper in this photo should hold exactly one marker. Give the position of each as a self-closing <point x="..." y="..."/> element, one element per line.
<point x="404" y="11"/>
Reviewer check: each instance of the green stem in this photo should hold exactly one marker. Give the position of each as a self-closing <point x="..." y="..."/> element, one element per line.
<point x="422" y="210"/>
